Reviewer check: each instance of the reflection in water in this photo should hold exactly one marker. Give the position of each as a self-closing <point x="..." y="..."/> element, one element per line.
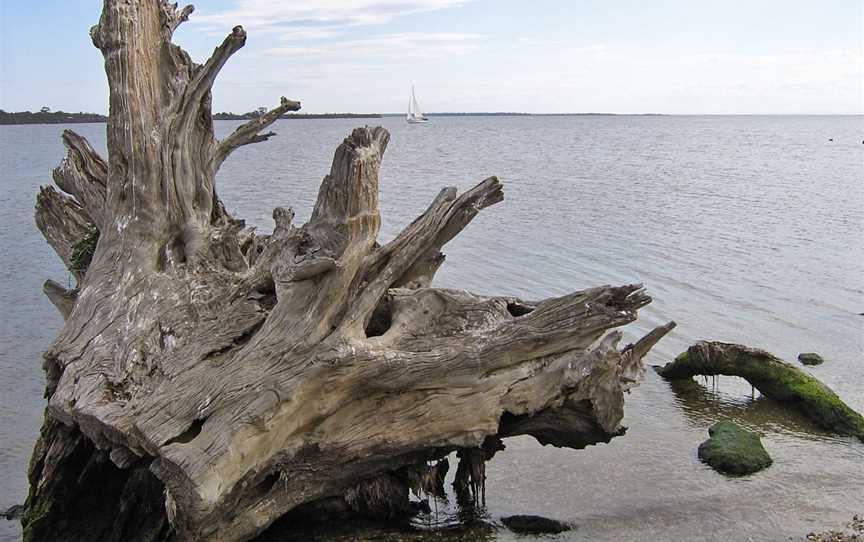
<point x="444" y="515"/>
<point x="449" y="517"/>
<point x="448" y="510"/>
<point x="369" y="531"/>
<point x="705" y="400"/>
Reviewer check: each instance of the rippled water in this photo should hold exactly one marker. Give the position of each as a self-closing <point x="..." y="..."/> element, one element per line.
<point x="744" y="229"/>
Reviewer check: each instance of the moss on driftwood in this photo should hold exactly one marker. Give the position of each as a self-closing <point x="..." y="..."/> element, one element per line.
<point x="83" y="250"/>
<point x="773" y="377"/>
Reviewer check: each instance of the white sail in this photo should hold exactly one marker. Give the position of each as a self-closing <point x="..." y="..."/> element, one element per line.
<point x="415" y="115"/>
<point x="416" y="109"/>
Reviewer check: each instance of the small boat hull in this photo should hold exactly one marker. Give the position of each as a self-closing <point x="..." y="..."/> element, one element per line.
<point x="417" y="121"/>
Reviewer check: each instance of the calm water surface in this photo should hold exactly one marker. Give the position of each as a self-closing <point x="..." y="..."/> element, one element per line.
<point x="744" y="229"/>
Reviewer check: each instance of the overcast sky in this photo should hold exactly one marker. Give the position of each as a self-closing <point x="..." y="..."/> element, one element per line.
<point x="662" y="56"/>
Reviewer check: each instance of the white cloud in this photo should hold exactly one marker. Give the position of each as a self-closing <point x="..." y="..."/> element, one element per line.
<point x="308" y="34"/>
<point x="534" y="42"/>
<point x="279" y="15"/>
<point x="311" y="48"/>
<point x="388" y="47"/>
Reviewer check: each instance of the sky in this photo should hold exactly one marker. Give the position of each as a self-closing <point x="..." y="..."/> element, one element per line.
<point x="538" y="56"/>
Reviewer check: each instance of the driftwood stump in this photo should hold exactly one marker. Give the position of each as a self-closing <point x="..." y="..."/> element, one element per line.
<point x="209" y="379"/>
<point x="773" y="377"/>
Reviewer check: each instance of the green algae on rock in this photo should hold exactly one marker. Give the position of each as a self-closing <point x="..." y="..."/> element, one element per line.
<point x="733" y="450"/>
<point x="773" y="377"/>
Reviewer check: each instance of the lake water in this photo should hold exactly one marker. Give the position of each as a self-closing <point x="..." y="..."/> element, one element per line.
<point x="744" y="229"/>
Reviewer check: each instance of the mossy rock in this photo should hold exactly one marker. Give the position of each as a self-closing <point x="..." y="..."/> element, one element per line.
<point x="810" y="358"/>
<point x="734" y="450"/>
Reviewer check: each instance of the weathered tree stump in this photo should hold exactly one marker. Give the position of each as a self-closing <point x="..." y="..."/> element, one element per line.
<point x="254" y="374"/>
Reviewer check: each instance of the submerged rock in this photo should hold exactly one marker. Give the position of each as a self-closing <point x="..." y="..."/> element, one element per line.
<point x="733" y="450"/>
<point x="773" y="377"/>
<point x="810" y="358"/>
<point x="527" y="524"/>
<point x="13" y="512"/>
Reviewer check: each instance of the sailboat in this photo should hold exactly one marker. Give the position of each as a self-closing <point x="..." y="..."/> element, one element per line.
<point x="415" y="116"/>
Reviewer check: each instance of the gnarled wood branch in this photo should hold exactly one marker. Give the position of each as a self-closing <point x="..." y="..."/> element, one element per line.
<point x="60" y="297"/>
<point x="172" y="17"/>
<point x="205" y="76"/>
<point x="63" y="223"/>
<point x="257" y="374"/>
<point x="249" y="132"/>
<point x="83" y="174"/>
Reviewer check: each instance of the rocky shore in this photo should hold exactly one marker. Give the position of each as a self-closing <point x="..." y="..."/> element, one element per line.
<point x="853" y="531"/>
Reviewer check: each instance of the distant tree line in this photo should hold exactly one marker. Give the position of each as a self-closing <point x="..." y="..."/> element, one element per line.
<point x="261" y="110"/>
<point x="46" y="116"/>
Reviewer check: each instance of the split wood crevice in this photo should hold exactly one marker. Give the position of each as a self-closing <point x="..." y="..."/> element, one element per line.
<point x="255" y="374"/>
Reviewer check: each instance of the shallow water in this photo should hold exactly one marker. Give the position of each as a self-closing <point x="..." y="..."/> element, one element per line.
<point x="744" y="229"/>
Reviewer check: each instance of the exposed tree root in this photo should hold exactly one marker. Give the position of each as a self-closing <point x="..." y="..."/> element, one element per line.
<point x="253" y="375"/>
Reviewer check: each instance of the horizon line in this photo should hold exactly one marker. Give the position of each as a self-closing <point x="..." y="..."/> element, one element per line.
<point x="512" y="113"/>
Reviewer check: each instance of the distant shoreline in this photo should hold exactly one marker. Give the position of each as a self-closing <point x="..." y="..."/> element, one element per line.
<point x="514" y="114"/>
<point x="61" y="117"/>
<point x="49" y="117"/>
<point x="289" y="116"/>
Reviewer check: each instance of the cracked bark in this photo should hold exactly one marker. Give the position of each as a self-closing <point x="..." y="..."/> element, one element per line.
<point x="251" y="375"/>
